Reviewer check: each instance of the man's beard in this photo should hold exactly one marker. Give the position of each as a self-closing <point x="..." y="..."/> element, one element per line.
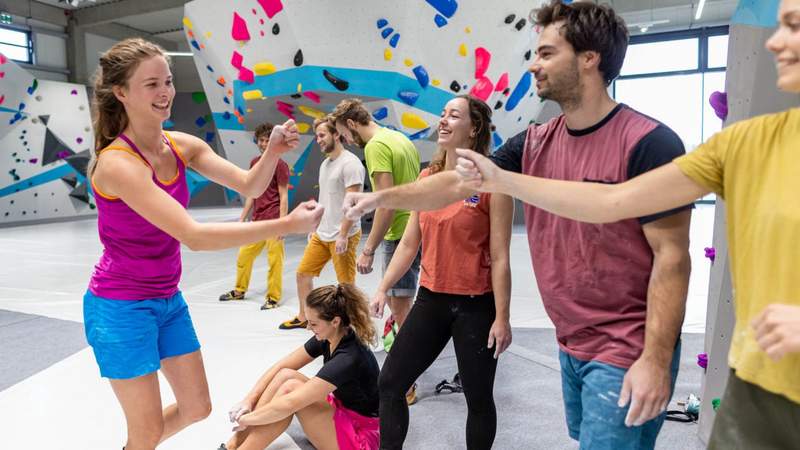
<point x="564" y="88"/>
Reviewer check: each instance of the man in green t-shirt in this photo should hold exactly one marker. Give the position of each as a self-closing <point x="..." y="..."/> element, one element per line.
<point x="392" y="160"/>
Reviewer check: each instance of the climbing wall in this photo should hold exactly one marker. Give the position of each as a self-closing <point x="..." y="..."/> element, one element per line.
<point x="268" y="60"/>
<point x="45" y="137"/>
<point x="751" y="91"/>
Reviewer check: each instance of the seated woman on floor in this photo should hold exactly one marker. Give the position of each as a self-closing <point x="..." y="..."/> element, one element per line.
<point x="337" y="408"/>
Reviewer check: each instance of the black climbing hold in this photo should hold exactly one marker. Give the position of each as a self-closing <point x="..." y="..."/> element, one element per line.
<point x="298" y="58"/>
<point x="498" y="105"/>
<point x="528" y="55"/>
<point x="510" y="18"/>
<point x="520" y="24"/>
<point x="296" y="96"/>
<point x="337" y="82"/>
<point x="506" y="91"/>
<point x="455" y="86"/>
<point x="276" y="29"/>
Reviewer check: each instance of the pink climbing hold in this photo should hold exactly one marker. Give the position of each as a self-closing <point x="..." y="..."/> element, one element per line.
<point x="702" y="360"/>
<point x="246" y="75"/>
<point x="502" y="83"/>
<point x="2" y="74"/>
<point x="482" y="58"/>
<point x="719" y="101"/>
<point x="271" y="7"/>
<point x="711" y="253"/>
<point x="239" y="31"/>
<point x="237" y="59"/>
<point x="3" y="58"/>
<point x="283" y="105"/>
<point x="2" y="99"/>
<point x="312" y="96"/>
<point x="482" y="89"/>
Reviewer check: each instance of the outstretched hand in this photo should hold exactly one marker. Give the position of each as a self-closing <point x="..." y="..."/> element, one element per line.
<point x="477" y="172"/>
<point x="356" y="204"/>
<point x="284" y="138"/>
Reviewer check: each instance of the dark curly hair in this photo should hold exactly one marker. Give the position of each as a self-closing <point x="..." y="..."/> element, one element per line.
<point x="589" y="27"/>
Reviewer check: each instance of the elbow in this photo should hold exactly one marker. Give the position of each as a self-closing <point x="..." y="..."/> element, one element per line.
<point x="192" y="239"/>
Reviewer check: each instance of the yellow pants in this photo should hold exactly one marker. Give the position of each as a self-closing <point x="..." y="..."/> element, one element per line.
<point x="319" y="252"/>
<point x="244" y="266"/>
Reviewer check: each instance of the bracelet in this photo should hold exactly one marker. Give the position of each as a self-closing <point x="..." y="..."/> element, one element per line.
<point x="364" y="252"/>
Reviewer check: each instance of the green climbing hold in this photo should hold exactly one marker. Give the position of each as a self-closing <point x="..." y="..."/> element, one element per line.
<point x="199" y="97"/>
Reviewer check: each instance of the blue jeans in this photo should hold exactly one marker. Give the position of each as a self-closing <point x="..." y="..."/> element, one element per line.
<point x="591" y="391"/>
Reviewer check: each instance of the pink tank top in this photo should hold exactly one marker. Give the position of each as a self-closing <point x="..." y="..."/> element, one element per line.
<point x="139" y="260"/>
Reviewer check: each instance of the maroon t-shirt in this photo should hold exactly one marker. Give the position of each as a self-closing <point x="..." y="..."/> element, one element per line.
<point x="593" y="278"/>
<point x="268" y="206"/>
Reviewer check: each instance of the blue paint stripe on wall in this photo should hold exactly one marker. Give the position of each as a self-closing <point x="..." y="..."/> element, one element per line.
<point x="757" y="13"/>
<point x="363" y="82"/>
<point x="42" y="178"/>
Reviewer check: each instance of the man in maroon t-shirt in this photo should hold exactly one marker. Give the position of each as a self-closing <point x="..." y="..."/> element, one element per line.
<point x="615" y="292"/>
<point x="272" y="204"/>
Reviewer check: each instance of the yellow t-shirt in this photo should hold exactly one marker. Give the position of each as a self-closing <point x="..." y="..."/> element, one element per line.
<point x="755" y="166"/>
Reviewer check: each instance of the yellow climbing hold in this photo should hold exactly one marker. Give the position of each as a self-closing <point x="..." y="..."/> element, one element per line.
<point x="412" y="120"/>
<point x="468" y="30"/>
<point x="462" y="50"/>
<point x="311" y="112"/>
<point x="303" y="127"/>
<point x="264" y="68"/>
<point x="387" y="54"/>
<point x="187" y="23"/>
<point x="299" y="87"/>
<point x="249" y="110"/>
<point x="208" y="35"/>
<point x="254" y="94"/>
<point x="408" y="62"/>
<point x="435" y="82"/>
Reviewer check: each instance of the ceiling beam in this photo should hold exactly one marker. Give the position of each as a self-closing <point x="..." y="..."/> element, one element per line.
<point x="90" y="16"/>
<point x="35" y="10"/>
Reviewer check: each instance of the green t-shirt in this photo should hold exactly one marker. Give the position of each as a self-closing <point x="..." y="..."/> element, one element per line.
<point x="391" y="151"/>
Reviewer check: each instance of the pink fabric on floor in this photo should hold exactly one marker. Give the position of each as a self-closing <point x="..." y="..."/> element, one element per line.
<point x="354" y="431"/>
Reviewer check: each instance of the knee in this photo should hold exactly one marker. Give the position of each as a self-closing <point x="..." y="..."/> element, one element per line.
<point x="285" y="374"/>
<point x="148" y="436"/>
<point x="289" y="386"/>
<point x="198" y="410"/>
<point x="303" y="278"/>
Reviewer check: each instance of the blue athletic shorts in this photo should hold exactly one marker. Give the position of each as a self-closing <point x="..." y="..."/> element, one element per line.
<point x="131" y="337"/>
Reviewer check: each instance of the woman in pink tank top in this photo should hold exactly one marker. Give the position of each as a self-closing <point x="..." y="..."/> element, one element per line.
<point x="135" y="317"/>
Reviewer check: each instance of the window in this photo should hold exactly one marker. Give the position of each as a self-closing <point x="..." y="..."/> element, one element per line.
<point x="16" y="45"/>
<point x="670" y="77"/>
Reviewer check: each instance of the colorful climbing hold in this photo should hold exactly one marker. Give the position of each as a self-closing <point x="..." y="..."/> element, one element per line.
<point x="337" y="82"/>
<point x="380" y="113"/>
<point x="200" y="122"/>
<point x="387" y="32"/>
<point x="436" y="82"/>
<point x="482" y="60"/>
<point x="422" y="76"/>
<point x="462" y="49"/>
<point x="239" y="30"/>
<point x="502" y="83"/>
<point x="382" y="23"/>
<point x="254" y="94"/>
<point x="264" y="68"/>
<point x="439" y="20"/>
<point x="303" y="127"/>
<point x="271" y="7"/>
<point x="408" y="62"/>
<point x="702" y="360"/>
<point x="394" y="40"/>
<point x="387" y="54"/>
<point x="408" y="97"/>
<point x="237" y="59"/>
<point x="411" y="120"/>
<point x="711" y="253"/>
<point x="445" y="7"/>
<point x="482" y="88"/>
<point x="187" y="23"/>
<point x="311" y="112"/>
<point x="719" y="101"/>
<point x="312" y="96"/>
<point x="519" y="91"/>
<point x="246" y="75"/>
<point x="199" y="97"/>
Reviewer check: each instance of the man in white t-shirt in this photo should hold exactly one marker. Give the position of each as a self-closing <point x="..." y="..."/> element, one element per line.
<point x="336" y="237"/>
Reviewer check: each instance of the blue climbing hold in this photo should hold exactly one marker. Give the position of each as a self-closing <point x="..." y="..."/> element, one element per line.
<point x="420" y="134"/>
<point x="386" y="32"/>
<point x="382" y="23"/>
<point x="519" y="91"/>
<point x="422" y="76"/>
<point x="440" y="20"/>
<point x="381" y="113"/>
<point x="394" y="40"/>
<point x="226" y="115"/>
<point x="408" y="97"/>
<point x="209" y="136"/>
<point x="446" y="7"/>
<point x="497" y="140"/>
<point x="200" y="122"/>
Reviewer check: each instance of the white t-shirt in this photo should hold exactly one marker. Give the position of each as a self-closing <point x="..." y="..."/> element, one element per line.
<point x="334" y="178"/>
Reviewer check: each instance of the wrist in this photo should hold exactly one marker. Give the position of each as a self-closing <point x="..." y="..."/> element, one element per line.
<point x="367" y="252"/>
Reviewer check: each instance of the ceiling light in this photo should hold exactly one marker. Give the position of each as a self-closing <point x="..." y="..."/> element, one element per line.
<point x="700" y="9"/>
<point x="179" y="53"/>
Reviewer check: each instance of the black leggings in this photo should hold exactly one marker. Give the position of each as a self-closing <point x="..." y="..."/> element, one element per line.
<point x="433" y="320"/>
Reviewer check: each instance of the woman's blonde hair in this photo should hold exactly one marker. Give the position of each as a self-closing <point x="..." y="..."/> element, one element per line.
<point x="349" y="304"/>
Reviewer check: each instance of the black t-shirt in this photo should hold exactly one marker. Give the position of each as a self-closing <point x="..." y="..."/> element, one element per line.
<point x="353" y="369"/>
<point x="658" y="147"/>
